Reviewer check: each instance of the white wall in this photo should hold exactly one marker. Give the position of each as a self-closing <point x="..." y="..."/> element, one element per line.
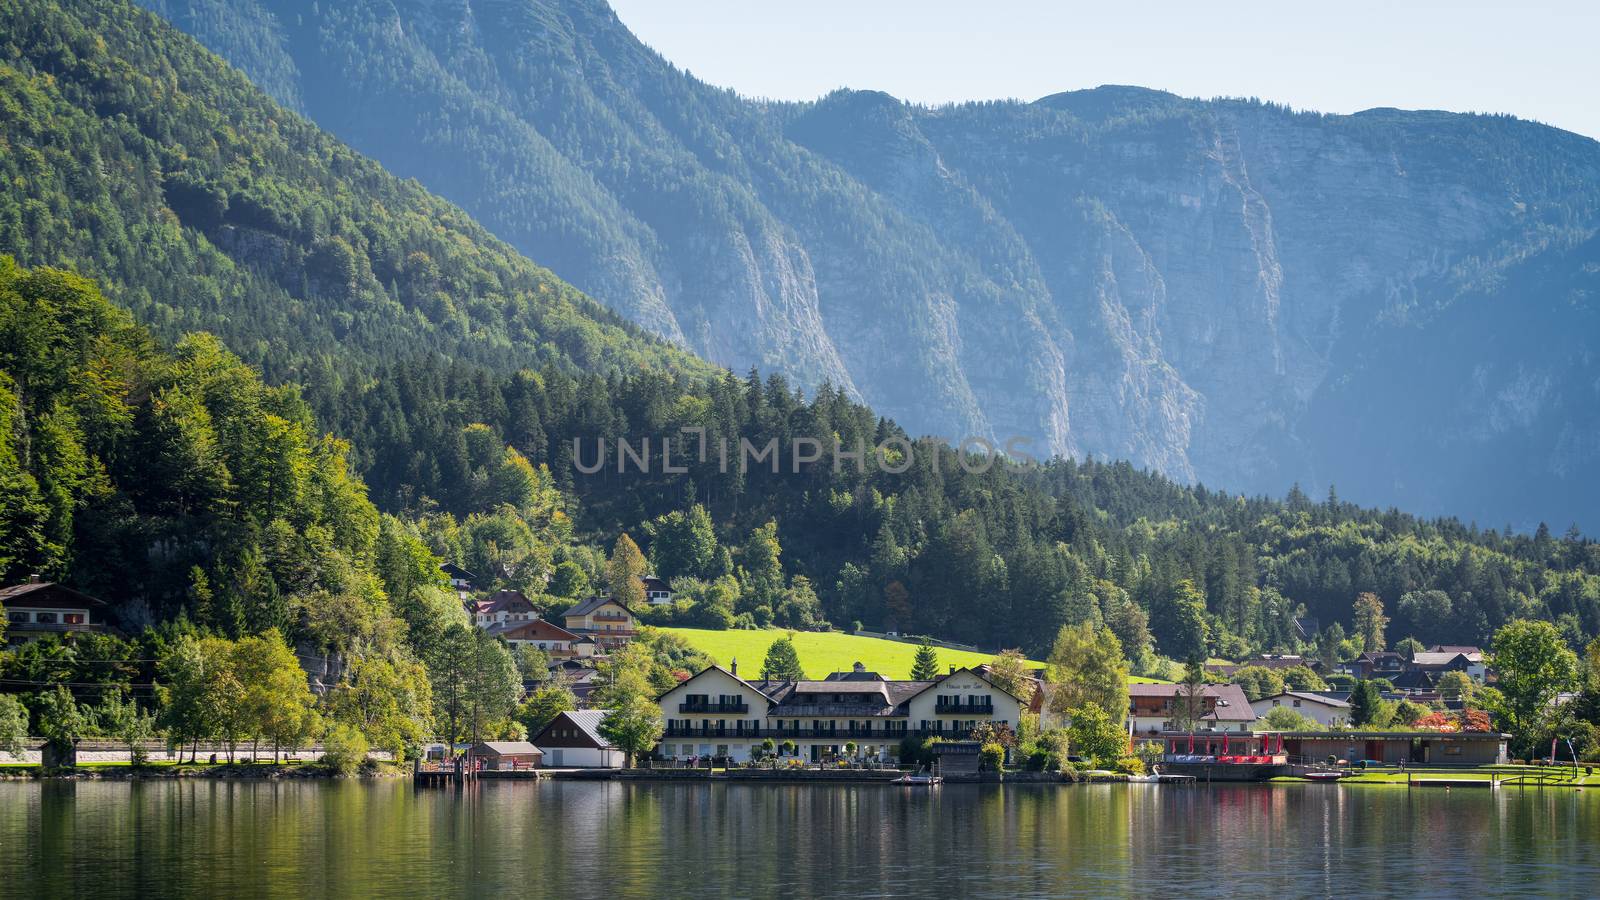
<point x="1323" y="714"/>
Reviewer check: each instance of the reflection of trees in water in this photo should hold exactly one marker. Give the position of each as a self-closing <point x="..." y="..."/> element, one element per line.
<point x="581" y="839"/>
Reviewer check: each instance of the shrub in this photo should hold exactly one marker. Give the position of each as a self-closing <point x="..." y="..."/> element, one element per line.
<point x="1130" y="765"/>
<point x="992" y="757"/>
<point x="344" y="749"/>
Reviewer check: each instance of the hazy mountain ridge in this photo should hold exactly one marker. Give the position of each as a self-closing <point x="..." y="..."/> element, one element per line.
<point x="1221" y="290"/>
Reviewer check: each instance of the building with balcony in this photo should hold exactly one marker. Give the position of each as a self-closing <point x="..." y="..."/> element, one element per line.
<point x="501" y="609"/>
<point x="38" y="608"/>
<point x="604" y="619"/>
<point x="716" y="713"/>
<point x="555" y="641"/>
<point x="1221" y="707"/>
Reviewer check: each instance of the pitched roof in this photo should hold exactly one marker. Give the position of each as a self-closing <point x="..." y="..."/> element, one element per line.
<point x="752" y="685"/>
<point x="508" y="748"/>
<point x="1324" y="699"/>
<point x="538" y="629"/>
<point x="47" y="593"/>
<point x="1231" y="703"/>
<point x="590" y="605"/>
<point x="456" y="571"/>
<point x="981" y="676"/>
<point x="506" y="599"/>
<point x="588" y="721"/>
<point x="1438" y="658"/>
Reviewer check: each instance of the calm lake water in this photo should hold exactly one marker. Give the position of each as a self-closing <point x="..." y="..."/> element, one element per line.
<point x="577" y="839"/>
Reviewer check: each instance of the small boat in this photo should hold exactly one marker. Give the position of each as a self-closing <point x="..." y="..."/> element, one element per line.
<point x="921" y="780"/>
<point x="1322" y="776"/>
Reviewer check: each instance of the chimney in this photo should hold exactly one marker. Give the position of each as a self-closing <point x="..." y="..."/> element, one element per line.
<point x="952" y="668"/>
<point x="859" y="667"/>
<point x="36" y="578"/>
<point x="733" y="666"/>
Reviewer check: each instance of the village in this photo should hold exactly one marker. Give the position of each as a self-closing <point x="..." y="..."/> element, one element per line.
<point x="861" y="724"/>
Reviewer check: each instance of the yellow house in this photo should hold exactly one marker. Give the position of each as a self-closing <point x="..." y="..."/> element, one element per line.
<point x="604" y="619"/>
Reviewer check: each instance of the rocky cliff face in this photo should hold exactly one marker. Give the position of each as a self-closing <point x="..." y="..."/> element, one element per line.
<point x="1397" y="303"/>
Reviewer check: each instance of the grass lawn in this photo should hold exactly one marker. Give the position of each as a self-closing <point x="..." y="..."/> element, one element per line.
<point x="822" y="652"/>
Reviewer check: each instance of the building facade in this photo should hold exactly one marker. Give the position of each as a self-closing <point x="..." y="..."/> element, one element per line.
<point x="718" y="714"/>
<point x="1328" y="712"/>
<point x="1222" y="707"/>
<point x="38" y="608"/>
<point x="607" y="621"/>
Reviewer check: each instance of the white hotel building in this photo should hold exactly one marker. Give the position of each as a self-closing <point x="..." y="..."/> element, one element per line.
<point x="717" y="713"/>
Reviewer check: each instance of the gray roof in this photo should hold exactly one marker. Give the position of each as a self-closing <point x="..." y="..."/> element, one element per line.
<point x="589" y="606"/>
<point x="588" y="721"/>
<point x="1324" y="699"/>
<point x="1232" y="704"/>
<point x="509" y="748"/>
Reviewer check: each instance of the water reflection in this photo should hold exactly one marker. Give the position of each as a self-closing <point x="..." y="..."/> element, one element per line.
<point x="579" y="839"/>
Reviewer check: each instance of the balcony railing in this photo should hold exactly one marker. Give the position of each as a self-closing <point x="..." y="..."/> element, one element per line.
<point x="957" y="709"/>
<point x="750" y="731"/>
<point x="731" y="707"/>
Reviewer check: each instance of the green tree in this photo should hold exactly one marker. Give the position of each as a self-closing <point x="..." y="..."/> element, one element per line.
<point x="344" y="748"/>
<point x="1180" y="622"/>
<point x="1456" y="686"/>
<point x="1370" y="622"/>
<point x="761" y="568"/>
<point x="13" y="726"/>
<point x="783" y="663"/>
<point x="1533" y="665"/>
<point x="120" y="716"/>
<point x="1302" y="678"/>
<point x="569" y="581"/>
<point x="1365" y="705"/>
<point x="1097" y="734"/>
<point x="624" y="571"/>
<point x="925" y="665"/>
<point x="390" y="701"/>
<point x="1009" y="672"/>
<point x="543" y="704"/>
<point x="683" y="544"/>
<point x="1284" y="718"/>
<point x="1258" y="681"/>
<point x="1189" y="701"/>
<point x="634" y="727"/>
<point x="61" y="722"/>
<point x="474" y="681"/>
<point x="276" y="701"/>
<point x="1087" y="666"/>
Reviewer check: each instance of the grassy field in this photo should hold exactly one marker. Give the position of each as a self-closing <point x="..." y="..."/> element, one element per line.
<point x="822" y="652"/>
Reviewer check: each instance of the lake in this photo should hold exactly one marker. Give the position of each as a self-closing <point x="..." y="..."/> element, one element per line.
<point x="610" y="839"/>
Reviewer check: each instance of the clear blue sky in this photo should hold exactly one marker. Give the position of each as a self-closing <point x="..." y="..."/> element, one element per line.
<point x="1538" y="60"/>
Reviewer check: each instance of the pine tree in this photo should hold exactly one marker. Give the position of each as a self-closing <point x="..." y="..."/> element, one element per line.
<point x="782" y="662"/>
<point x="926" y="665"/>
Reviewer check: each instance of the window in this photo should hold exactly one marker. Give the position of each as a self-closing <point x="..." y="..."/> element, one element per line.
<point x="20" y="618"/>
<point x="45" y="618"/>
<point x="1297" y="703"/>
<point x="73" y="618"/>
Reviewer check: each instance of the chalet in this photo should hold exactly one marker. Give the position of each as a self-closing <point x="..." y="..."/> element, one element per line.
<point x="656" y="591"/>
<point x="572" y="740"/>
<point x="1326" y="711"/>
<point x="506" y="755"/>
<point x="38" y="608"/>
<point x="717" y="713"/>
<point x="1417" y="683"/>
<point x="1377" y="664"/>
<point x="461" y="581"/>
<point x="607" y="621"/>
<point x="502" y="608"/>
<point x="1222" y="707"/>
<point x="1444" y="658"/>
<point x="554" y="640"/>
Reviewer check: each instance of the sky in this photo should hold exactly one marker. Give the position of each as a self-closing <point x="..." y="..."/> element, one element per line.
<point x="1537" y="60"/>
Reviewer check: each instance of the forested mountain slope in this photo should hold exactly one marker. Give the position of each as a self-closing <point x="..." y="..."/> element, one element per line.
<point x="1221" y="290"/>
<point x="183" y="482"/>
<point x="133" y="155"/>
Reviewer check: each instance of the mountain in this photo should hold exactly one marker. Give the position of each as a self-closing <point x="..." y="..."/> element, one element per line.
<point x="134" y="156"/>
<point x="1226" y="291"/>
<point x="456" y="376"/>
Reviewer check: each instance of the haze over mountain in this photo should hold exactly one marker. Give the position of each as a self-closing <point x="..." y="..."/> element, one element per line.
<point x="1401" y="304"/>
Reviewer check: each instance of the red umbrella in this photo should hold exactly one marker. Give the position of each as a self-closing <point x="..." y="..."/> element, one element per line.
<point x="1191" y="743"/>
<point x="1224" y="742"/>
